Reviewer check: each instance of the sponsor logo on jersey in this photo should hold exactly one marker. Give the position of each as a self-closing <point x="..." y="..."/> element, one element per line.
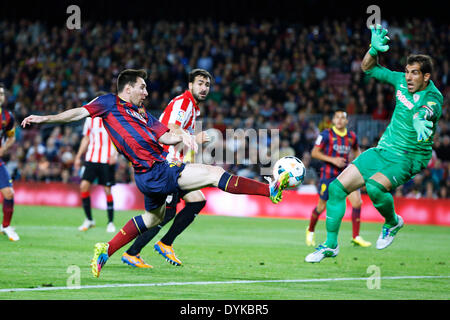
<point x="341" y="148"/>
<point x="404" y="100"/>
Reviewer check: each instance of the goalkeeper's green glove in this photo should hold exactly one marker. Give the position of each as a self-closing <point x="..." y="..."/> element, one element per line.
<point x="422" y="126"/>
<point x="379" y="39"/>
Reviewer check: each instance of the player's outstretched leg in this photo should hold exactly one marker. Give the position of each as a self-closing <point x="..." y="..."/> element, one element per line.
<point x="197" y="176"/>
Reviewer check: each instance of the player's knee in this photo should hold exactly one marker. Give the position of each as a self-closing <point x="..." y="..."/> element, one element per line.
<point x="336" y="190"/>
<point x="357" y="205"/>
<point x="84" y="186"/>
<point x="152" y="219"/>
<point x="321" y="206"/>
<point x="108" y="191"/>
<point x="214" y="174"/>
<point x="375" y="190"/>
<point x="8" y="193"/>
<point x="195" y="196"/>
<point x="197" y="206"/>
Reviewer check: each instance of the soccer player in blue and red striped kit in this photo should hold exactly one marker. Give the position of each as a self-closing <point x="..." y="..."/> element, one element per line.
<point x="7" y="133"/>
<point x="139" y="137"/>
<point x="334" y="146"/>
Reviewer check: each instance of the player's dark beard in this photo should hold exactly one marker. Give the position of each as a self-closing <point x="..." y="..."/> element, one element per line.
<point x="198" y="98"/>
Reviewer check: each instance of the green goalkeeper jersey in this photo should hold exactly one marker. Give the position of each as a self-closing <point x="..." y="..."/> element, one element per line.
<point x="400" y="135"/>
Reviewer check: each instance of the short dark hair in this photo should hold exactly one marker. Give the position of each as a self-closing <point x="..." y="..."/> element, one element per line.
<point x="129" y="76"/>
<point x="425" y="62"/>
<point x="339" y="110"/>
<point x="199" y="72"/>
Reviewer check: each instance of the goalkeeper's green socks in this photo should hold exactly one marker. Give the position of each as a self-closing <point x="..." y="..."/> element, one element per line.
<point x="382" y="201"/>
<point x="336" y="206"/>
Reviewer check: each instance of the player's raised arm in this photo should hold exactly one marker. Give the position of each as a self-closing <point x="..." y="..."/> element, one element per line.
<point x="378" y="43"/>
<point x="370" y="64"/>
<point x="71" y="115"/>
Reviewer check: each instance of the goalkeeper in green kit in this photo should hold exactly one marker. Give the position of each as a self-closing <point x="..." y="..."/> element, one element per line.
<point x="402" y="152"/>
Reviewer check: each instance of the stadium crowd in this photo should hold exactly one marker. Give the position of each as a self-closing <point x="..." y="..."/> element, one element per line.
<point x="267" y="75"/>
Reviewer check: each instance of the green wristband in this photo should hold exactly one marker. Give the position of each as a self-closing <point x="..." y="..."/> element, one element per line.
<point x="373" y="52"/>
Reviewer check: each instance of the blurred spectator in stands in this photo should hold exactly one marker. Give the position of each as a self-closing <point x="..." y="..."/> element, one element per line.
<point x="286" y="149"/>
<point x="380" y="112"/>
<point x="417" y="189"/>
<point x="37" y="149"/>
<point x="364" y="144"/>
<point x="444" y="189"/>
<point x="442" y="148"/>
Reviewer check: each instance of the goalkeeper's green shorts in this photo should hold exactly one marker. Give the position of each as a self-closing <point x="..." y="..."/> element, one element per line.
<point x="399" y="169"/>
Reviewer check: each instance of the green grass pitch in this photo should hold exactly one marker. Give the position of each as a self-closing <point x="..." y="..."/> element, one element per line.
<point x="219" y="255"/>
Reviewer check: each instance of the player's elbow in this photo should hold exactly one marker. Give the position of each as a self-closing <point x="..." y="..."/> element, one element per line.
<point x="165" y="138"/>
<point x="315" y="154"/>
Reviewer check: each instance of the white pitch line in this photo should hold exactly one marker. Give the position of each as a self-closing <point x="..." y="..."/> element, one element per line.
<point x="166" y="284"/>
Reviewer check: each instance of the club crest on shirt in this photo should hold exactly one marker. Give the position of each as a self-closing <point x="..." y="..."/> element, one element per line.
<point x="136" y="115"/>
<point x="416" y="97"/>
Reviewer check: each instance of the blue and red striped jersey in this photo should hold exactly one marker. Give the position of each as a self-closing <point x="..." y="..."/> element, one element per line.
<point x="132" y="129"/>
<point x="333" y="144"/>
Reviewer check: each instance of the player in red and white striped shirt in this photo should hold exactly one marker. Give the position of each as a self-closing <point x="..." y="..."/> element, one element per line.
<point x="180" y="114"/>
<point x="99" y="162"/>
